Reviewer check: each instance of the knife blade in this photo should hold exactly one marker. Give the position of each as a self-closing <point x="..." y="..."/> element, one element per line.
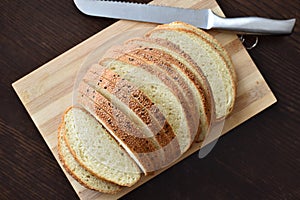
<point x="203" y="18"/>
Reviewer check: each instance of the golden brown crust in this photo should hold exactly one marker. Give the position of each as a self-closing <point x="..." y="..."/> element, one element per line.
<point x="123" y="89"/>
<point x="161" y="129"/>
<point x="138" y="102"/>
<point x="137" y="44"/>
<point x="115" y="117"/>
<point x="150" y="63"/>
<point x="146" y="43"/>
<point x="143" y="147"/>
<point x="153" y="68"/>
<point x="163" y="60"/>
<point x="175" y="49"/>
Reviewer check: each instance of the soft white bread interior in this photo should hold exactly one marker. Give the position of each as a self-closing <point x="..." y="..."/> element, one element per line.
<point x="209" y="38"/>
<point x="80" y="173"/>
<point x="94" y="148"/>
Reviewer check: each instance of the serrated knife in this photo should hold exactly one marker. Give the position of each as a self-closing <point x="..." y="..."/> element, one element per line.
<point x="203" y="18"/>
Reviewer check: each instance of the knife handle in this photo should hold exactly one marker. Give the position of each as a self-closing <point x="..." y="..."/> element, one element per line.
<point x="252" y="25"/>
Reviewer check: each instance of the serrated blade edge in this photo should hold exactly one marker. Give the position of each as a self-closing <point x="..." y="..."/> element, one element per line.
<point x="143" y="12"/>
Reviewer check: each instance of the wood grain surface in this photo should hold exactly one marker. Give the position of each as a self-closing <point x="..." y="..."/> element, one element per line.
<point x="262" y="162"/>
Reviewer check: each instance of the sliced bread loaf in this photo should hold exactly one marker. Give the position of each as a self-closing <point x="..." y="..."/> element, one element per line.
<point x="94" y="148"/>
<point x="211" y="63"/>
<point x="144" y="104"/>
<point x="78" y="172"/>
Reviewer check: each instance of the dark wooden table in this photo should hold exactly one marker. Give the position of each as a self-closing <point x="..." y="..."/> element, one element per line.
<point x="260" y="159"/>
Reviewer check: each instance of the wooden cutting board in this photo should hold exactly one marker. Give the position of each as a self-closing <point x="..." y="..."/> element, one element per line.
<point x="47" y="91"/>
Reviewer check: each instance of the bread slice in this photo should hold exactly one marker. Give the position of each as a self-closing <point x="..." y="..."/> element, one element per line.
<point x="78" y="172"/>
<point x="94" y="148"/>
<point x="138" y="107"/>
<point x="159" y="93"/>
<point x="208" y="59"/>
<point x="218" y="47"/>
<point x="209" y="38"/>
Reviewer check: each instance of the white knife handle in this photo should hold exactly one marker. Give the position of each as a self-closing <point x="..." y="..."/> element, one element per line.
<point x="252" y="25"/>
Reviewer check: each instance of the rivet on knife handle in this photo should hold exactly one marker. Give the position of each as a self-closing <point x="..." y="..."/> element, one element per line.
<point x="204" y="18"/>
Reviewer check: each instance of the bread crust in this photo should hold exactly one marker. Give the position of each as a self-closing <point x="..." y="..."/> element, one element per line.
<point x="138" y="101"/>
<point x="198" y="78"/>
<point x="165" y="62"/>
<point x="132" y="59"/>
<point x="143" y="147"/>
<point x="144" y="67"/>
